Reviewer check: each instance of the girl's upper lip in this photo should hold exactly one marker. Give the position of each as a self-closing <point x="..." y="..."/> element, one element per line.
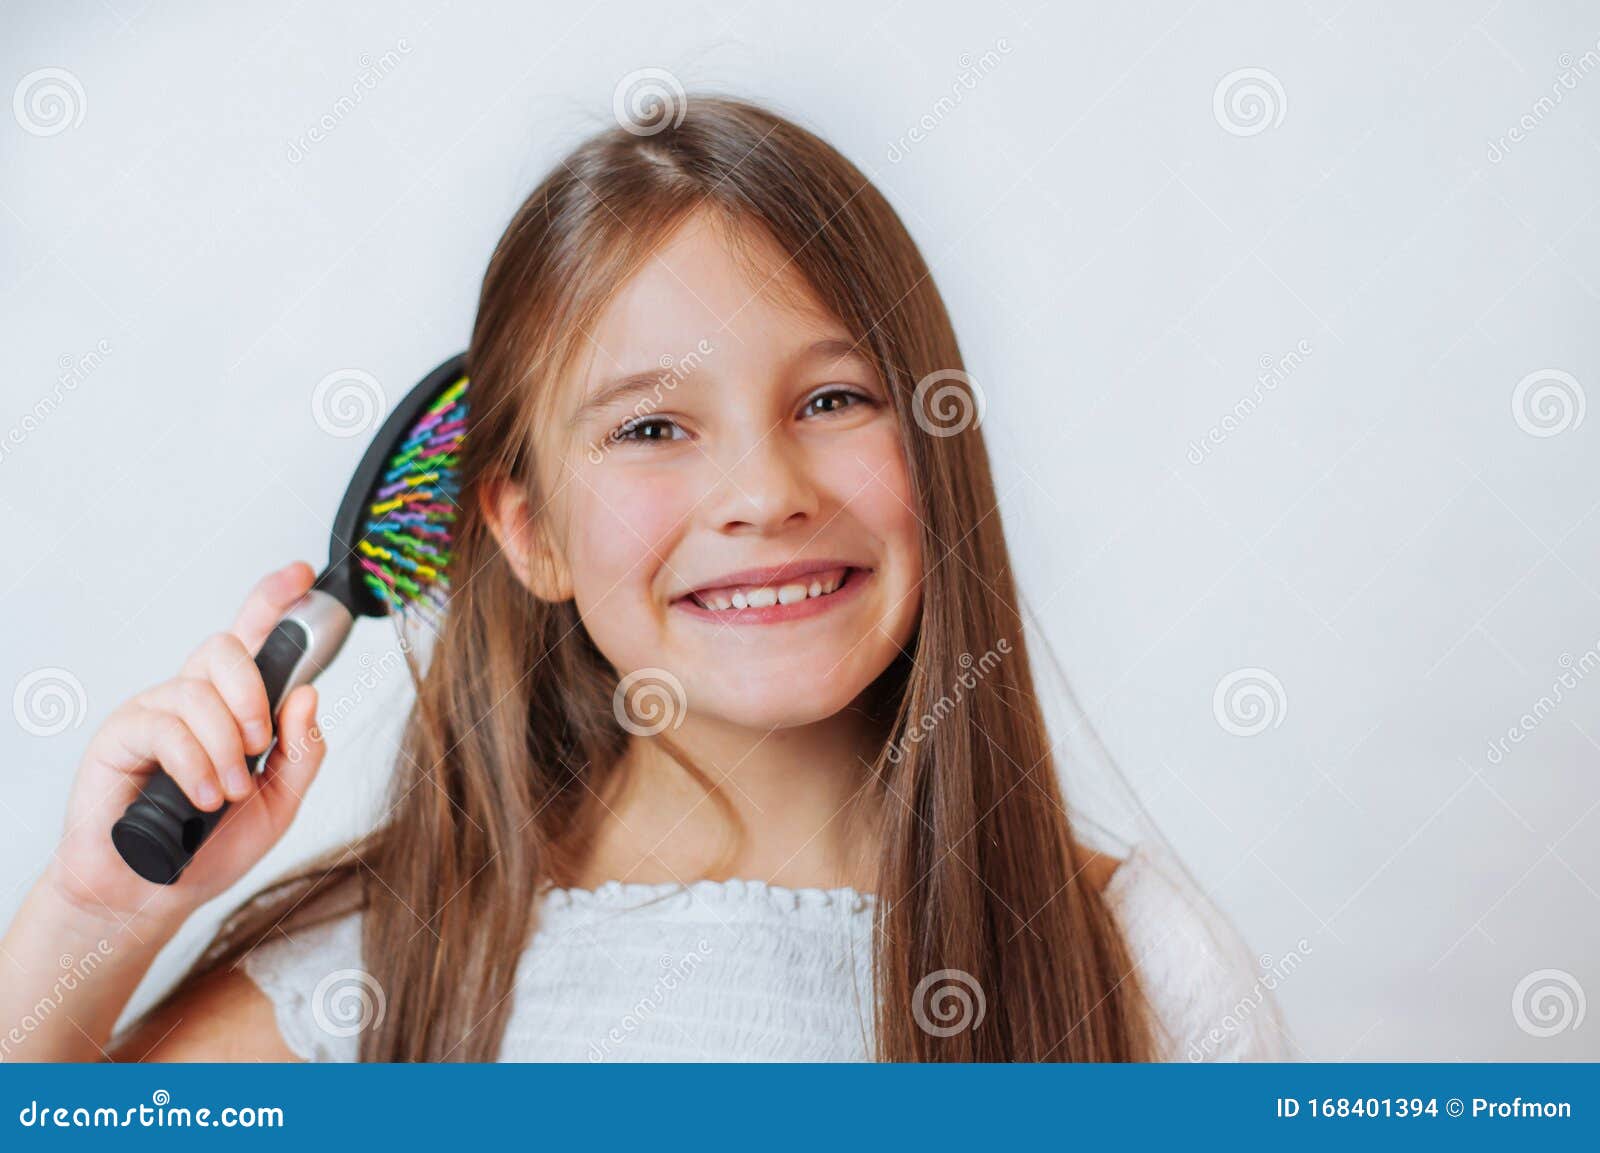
<point x="768" y="577"/>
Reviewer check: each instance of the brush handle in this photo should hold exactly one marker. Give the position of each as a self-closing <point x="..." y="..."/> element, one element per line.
<point x="160" y="832"/>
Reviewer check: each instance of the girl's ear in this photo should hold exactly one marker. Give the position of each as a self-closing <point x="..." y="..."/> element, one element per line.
<point x="525" y="540"/>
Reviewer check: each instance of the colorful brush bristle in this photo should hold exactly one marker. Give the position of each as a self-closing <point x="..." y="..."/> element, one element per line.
<point x="405" y="549"/>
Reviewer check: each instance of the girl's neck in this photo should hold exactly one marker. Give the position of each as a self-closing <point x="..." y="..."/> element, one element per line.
<point x="803" y="798"/>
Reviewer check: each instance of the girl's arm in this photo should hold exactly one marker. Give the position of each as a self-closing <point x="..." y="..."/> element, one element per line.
<point x="222" y="1017"/>
<point x="90" y="927"/>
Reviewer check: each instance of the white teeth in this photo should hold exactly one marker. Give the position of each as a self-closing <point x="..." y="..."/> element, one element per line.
<point x="766" y="597"/>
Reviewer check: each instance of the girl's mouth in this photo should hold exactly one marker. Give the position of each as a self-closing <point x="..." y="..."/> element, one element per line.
<point x="782" y="597"/>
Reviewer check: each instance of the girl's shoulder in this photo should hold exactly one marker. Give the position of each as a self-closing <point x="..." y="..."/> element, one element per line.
<point x="221" y="1016"/>
<point x="1199" y="979"/>
<point x="321" y="994"/>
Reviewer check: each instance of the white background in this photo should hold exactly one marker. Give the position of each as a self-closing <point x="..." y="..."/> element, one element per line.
<point x="1381" y="533"/>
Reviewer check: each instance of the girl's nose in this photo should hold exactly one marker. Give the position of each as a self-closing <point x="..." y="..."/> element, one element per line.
<point x="766" y="489"/>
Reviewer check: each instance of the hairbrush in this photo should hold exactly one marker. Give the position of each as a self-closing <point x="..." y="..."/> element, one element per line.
<point x="389" y="553"/>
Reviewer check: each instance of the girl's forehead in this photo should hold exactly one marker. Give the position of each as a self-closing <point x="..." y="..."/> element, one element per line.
<point x="748" y="301"/>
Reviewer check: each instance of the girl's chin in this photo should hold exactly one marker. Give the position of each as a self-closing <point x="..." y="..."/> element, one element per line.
<point x="757" y="704"/>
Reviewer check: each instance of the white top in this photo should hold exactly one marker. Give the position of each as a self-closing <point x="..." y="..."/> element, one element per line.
<point x="743" y="970"/>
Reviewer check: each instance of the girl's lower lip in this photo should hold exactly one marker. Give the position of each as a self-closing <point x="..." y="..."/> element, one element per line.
<point x="779" y="614"/>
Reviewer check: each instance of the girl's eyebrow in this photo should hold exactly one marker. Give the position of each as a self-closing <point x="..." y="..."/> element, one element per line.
<point x="652" y="382"/>
<point x="833" y="347"/>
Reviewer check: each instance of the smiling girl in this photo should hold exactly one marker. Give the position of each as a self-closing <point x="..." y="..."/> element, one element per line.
<point x="729" y="745"/>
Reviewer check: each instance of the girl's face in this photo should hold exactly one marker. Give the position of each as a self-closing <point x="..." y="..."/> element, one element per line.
<point x="729" y="497"/>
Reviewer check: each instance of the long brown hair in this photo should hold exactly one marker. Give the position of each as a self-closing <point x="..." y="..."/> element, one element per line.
<point x="980" y="874"/>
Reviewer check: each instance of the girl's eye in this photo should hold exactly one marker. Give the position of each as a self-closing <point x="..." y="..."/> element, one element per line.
<point x="833" y="400"/>
<point x="648" y="429"/>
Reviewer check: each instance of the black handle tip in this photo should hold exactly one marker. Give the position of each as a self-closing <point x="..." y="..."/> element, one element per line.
<point x="151" y="841"/>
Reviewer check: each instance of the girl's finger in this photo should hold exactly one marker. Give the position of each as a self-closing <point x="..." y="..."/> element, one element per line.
<point x="154" y="736"/>
<point x="294" y="762"/>
<point x="269" y="600"/>
<point x="225" y="662"/>
<point x="202" y="709"/>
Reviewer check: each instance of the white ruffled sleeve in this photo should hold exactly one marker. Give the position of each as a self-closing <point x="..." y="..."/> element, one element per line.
<point x="1209" y="1000"/>
<point x="321" y="995"/>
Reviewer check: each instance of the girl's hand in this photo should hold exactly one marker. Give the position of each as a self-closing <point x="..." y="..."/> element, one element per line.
<point x="199" y="727"/>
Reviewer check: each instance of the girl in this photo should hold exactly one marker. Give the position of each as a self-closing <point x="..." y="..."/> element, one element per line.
<point x="720" y="541"/>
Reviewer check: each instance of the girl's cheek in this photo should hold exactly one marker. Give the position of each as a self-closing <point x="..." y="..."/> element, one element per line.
<point x="867" y="473"/>
<point x="621" y="522"/>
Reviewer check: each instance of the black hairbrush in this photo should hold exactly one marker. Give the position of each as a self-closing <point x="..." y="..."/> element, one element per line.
<point x="390" y="552"/>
